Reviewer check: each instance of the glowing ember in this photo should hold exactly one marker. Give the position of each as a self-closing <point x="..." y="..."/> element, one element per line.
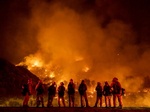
<point x="52" y="75"/>
<point x="31" y="62"/>
<point x="36" y="63"/>
<point x="86" y="69"/>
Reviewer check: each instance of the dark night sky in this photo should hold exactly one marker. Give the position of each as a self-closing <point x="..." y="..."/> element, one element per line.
<point x="15" y="14"/>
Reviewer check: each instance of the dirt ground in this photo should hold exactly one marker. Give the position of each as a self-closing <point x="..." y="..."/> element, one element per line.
<point x="76" y="109"/>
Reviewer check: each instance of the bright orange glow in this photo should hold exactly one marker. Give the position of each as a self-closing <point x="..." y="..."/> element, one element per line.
<point x="86" y="69"/>
<point x="79" y="58"/>
<point x="78" y="46"/>
<point x="52" y="75"/>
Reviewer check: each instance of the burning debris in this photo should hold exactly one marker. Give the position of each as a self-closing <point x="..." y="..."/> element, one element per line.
<point x="55" y="73"/>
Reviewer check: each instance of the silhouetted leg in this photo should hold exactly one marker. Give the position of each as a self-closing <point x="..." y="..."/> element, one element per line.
<point x="42" y="100"/>
<point x="114" y="100"/>
<point x="96" y="101"/>
<point x="119" y="100"/>
<point x="59" y="101"/>
<point x="48" y="101"/>
<point x="37" y="101"/>
<point x="109" y="98"/>
<point x="69" y="100"/>
<point x="105" y="101"/>
<point x="51" y="101"/>
<point x="100" y="101"/>
<point x="63" y="101"/>
<point x="26" y="99"/>
<point x="81" y="99"/>
<point x="86" y="100"/>
<point x="72" y="98"/>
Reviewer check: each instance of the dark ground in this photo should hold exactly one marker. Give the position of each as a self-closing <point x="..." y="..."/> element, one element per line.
<point x="76" y="109"/>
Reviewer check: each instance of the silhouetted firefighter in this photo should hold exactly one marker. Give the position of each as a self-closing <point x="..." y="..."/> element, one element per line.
<point x="61" y="92"/>
<point x="117" y="92"/>
<point x="71" y="93"/>
<point x="40" y="91"/>
<point x="26" y="92"/>
<point x="51" y="94"/>
<point x="99" y="91"/>
<point x="107" y="93"/>
<point x="82" y="91"/>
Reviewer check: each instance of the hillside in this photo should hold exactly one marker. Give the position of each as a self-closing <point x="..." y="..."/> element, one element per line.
<point x="12" y="78"/>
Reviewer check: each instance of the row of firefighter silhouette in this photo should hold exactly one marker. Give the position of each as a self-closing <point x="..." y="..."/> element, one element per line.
<point x="114" y="89"/>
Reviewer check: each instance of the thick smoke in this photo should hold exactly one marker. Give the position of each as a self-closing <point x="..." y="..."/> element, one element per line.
<point x="108" y="48"/>
<point x="84" y="35"/>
